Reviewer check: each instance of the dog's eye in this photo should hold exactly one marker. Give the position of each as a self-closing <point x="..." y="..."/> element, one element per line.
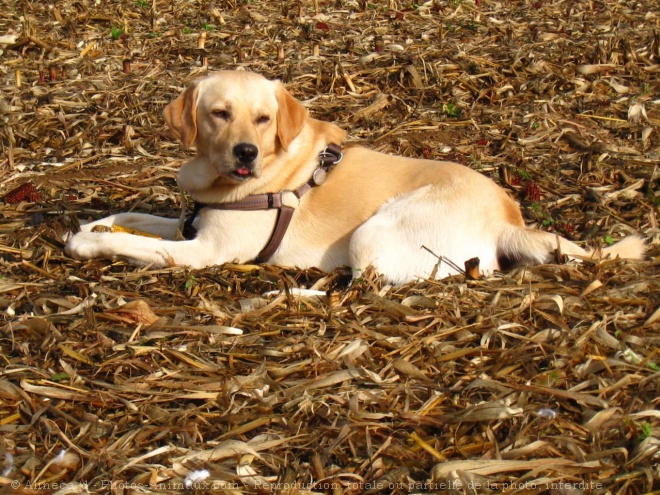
<point x="263" y="119"/>
<point x="221" y="114"/>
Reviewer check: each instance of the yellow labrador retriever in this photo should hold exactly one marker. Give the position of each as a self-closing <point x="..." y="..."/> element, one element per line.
<point x="363" y="208"/>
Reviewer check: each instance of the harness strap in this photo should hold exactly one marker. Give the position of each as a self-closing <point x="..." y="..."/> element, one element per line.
<point x="284" y="217"/>
<point x="329" y="157"/>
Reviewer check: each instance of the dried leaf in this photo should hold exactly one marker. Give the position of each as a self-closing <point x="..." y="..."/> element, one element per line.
<point x="137" y="311"/>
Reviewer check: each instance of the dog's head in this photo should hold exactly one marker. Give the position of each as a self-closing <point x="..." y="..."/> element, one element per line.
<point x="236" y="119"/>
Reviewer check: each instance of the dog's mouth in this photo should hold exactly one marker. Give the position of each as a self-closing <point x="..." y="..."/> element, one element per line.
<point x="242" y="173"/>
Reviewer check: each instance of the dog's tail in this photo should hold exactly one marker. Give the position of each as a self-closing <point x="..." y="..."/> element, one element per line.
<point x="520" y="246"/>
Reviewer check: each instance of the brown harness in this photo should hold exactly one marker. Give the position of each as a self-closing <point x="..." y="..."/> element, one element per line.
<point x="281" y="201"/>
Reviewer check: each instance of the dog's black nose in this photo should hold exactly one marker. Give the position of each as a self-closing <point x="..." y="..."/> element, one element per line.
<point x="246" y="153"/>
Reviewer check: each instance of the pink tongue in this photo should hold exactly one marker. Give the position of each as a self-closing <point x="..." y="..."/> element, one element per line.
<point x="243" y="171"/>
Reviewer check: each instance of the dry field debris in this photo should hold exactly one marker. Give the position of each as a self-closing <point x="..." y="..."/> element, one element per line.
<point x="117" y="379"/>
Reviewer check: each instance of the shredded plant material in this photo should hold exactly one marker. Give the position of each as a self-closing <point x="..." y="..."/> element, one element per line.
<point x="260" y="379"/>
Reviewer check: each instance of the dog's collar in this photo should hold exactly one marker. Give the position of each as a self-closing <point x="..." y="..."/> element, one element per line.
<point x="285" y="201"/>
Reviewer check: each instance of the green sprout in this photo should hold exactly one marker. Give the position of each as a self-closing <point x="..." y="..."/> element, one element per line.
<point x="647" y="431"/>
<point x="116" y="32"/>
<point x="191" y="282"/>
<point x="59" y="377"/>
<point x="451" y="110"/>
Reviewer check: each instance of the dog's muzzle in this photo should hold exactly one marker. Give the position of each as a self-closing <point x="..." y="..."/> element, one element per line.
<point x="245" y="154"/>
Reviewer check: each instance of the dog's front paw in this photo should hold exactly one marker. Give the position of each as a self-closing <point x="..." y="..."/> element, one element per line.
<point x="87" y="245"/>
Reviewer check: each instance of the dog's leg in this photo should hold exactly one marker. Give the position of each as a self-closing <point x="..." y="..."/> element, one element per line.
<point x="222" y="237"/>
<point x="150" y="224"/>
<point x="139" y="250"/>
<point x="393" y="240"/>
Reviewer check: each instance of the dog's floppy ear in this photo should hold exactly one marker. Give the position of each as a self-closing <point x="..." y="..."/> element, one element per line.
<point x="181" y="115"/>
<point x="291" y="117"/>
